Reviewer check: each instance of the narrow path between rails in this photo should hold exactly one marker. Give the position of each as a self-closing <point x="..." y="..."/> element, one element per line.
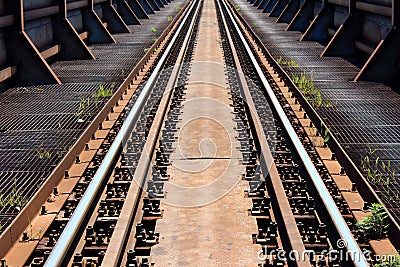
<point x="206" y="221"/>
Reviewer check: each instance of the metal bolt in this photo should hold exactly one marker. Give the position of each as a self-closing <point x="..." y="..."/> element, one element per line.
<point x="25" y="236"/>
<point x="66" y="174"/>
<point x="43" y="210"/>
<point x="101" y="256"/>
<point x="78" y="258"/>
<point x="86" y="146"/>
<point x="55" y="191"/>
<point x="131" y="255"/>
<point x="353" y="187"/>
<point x="47" y="254"/>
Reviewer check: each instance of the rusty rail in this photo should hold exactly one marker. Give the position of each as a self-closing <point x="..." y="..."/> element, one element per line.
<point x="13" y="232"/>
<point x="328" y="202"/>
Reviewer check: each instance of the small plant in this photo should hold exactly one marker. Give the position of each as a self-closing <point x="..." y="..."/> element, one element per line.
<point x="305" y="84"/>
<point x="82" y="105"/>
<point x="153" y="30"/>
<point x="325" y="136"/>
<point x="375" y="226"/>
<point x="1" y="227"/>
<point x="43" y="153"/>
<point x="64" y="151"/>
<point x="307" y="88"/>
<point x="378" y="172"/>
<point x="254" y="24"/>
<point x="155" y="39"/>
<point x="292" y="64"/>
<point x="14" y="199"/>
<point x="169" y="19"/>
<point x="3" y="201"/>
<point x="104" y="92"/>
<point x="390" y="261"/>
<point x="177" y="8"/>
<point x="279" y="60"/>
<point x="238" y="8"/>
<point x="31" y="235"/>
<point x="146" y="49"/>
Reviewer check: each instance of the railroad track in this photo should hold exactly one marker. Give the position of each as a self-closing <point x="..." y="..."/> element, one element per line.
<point x="127" y="207"/>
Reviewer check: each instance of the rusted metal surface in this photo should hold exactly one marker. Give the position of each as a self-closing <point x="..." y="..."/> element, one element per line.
<point x="6" y="20"/>
<point x="376" y="9"/>
<point x="52" y="51"/>
<point x="42" y="12"/>
<point x="7" y="73"/>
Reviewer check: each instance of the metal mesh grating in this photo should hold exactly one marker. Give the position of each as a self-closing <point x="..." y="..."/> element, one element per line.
<point x="36" y="116"/>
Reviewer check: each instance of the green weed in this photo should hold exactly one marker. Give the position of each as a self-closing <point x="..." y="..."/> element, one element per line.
<point x="375" y="226"/>
<point x="378" y="172"/>
<point x="390" y="261"/>
<point x="325" y="136"/>
<point x="15" y="198"/>
<point x="43" y="153"/>
<point x="307" y="88"/>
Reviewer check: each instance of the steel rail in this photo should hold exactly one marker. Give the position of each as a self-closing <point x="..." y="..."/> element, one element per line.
<point x="282" y="210"/>
<point x="357" y="255"/>
<point x="68" y="236"/>
<point x="363" y="187"/>
<point x="123" y="227"/>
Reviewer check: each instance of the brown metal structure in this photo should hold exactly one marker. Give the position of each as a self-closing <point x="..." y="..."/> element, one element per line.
<point x="40" y="33"/>
<point x="362" y="31"/>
